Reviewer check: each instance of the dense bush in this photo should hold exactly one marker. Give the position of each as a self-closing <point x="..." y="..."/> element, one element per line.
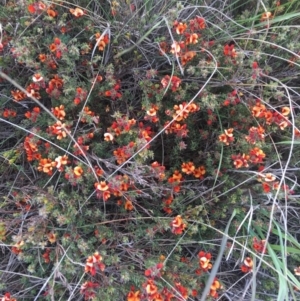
<point x="149" y="150"/>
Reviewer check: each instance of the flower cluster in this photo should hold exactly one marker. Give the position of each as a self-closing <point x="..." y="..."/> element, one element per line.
<point x="255" y="134"/>
<point x="216" y="285"/>
<point x="175" y="180"/>
<point x="31" y="144"/>
<point x="58" y="129"/>
<point x="173" y="81"/>
<point x="178" y="225"/>
<point x="190" y="34"/>
<point x="121" y="126"/>
<point x="177" y="128"/>
<point x="151" y="114"/>
<point x="182" y="111"/>
<point x="93" y="262"/>
<point x="270" y="117"/>
<point x="33" y="115"/>
<point x="102" y="190"/>
<point x="80" y="95"/>
<point x="269" y="183"/>
<point x="190" y="169"/>
<point x="232" y="99"/>
<point x="240" y="160"/>
<point x="102" y="40"/>
<point x="229" y="50"/>
<point x="54" y="86"/>
<point x="57" y="47"/>
<point x="9" y="113"/>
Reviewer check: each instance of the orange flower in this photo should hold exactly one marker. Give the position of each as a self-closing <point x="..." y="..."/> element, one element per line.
<point x="77" y="12"/>
<point x="248" y="262"/>
<point x="255" y="134"/>
<point x="265" y="16"/>
<point x="182" y="291"/>
<point x="128" y="205"/>
<point x="51" y="13"/>
<point x="9" y="113"/>
<point x="52" y="47"/>
<point x="78" y="171"/>
<point x="223" y="138"/>
<point x="283" y="124"/>
<point x="58" y="129"/>
<point x="46" y="165"/>
<point x="188" y="168"/>
<point x="192" y="39"/>
<point x="87" y="289"/>
<point x="177" y="225"/>
<point x="176" y="177"/>
<point x="199" y="172"/>
<point x="18" y="95"/>
<point x="37" y="77"/>
<point x="266" y="187"/>
<point x="150" y="287"/>
<point x="36" y="7"/>
<point x="269" y="177"/>
<point x="175" y="48"/>
<point x="188" y="56"/>
<point x="134" y="296"/>
<point x="61" y="161"/>
<point x="240" y="160"/>
<point x="229" y="132"/>
<point x="181" y="112"/>
<point x="259" y="109"/>
<point x="108" y="137"/>
<point x="180" y="27"/>
<point x="153" y="110"/>
<point x="256" y="155"/>
<point x="31" y="8"/>
<point x="52" y="237"/>
<point x="59" y="112"/>
<point x="101" y="41"/>
<point x="214" y="287"/>
<point x="204" y="261"/>
<point x="42" y="57"/>
<point x="227" y="137"/>
<point x="102" y="186"/>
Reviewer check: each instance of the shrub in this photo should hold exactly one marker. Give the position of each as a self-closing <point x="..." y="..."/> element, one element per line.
<point x="150" y="150"/>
